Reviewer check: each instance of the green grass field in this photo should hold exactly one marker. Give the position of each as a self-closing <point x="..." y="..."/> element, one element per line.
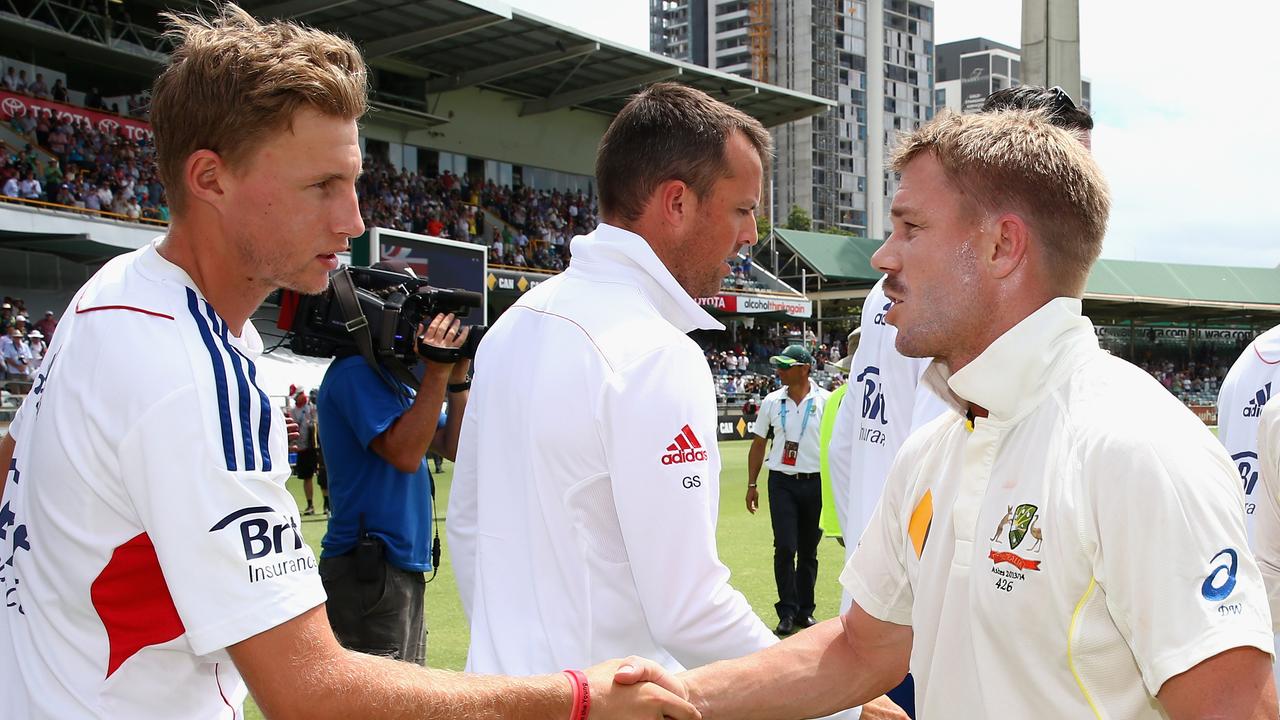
<point x="745" y="541"/>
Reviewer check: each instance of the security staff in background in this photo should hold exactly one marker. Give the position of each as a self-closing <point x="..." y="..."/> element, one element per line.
<point x="793" y="413"/>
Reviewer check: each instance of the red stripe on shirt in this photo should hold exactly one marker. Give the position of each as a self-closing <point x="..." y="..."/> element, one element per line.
<point x="220" y="692"/>
<point x="688" y="433"/>
<point x="153" y="313"/>
<point x="1258" y="352"/>
<point x="133" y="602"/>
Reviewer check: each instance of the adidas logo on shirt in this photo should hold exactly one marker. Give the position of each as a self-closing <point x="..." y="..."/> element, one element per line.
<point x="686" y="448"/>
<point x="1259" y="400"/>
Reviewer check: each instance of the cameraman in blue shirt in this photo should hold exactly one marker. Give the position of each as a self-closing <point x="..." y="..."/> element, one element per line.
<point x="378" y="546"/>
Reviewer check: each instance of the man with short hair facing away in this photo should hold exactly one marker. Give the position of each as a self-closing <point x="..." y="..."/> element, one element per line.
<point x="584" y="503"/>
<point x="150" y="555"/>
<point x="1069" y="542"/>
<point x="793" y="415"/>
<point x="586" y="489"/>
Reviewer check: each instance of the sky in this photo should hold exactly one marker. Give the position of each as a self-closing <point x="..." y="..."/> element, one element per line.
<point x="1176" y="90"/>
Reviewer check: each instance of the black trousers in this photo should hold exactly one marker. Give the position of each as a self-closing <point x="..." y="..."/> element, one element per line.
<point x="383" y="616"/>
<point x="795" y="506"/>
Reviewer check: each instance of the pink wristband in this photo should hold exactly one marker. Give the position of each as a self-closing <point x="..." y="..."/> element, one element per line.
<point x="581" y="695"/>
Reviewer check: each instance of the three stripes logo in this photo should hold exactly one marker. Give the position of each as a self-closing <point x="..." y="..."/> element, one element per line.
<point x="1259" y="400"/>
<point x="685" y="448"/>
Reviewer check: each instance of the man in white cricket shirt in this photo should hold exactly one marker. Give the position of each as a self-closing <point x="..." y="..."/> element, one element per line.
<point x="150" y="556"/>
<point x="1068" y="543"/>
<point x="583" y="510"/>
<point x="1245" y="393"/>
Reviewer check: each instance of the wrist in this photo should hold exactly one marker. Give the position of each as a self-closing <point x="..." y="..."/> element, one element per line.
<point x="580" y="698"/>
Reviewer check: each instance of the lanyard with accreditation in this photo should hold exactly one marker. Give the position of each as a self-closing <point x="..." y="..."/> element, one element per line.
<point x="791" y="448"/>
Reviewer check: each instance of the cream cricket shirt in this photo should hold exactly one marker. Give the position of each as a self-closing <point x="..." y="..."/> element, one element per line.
<point x="583" y="512"/>
<point x="778" y="405"/>
<point x="1073" y="551"/>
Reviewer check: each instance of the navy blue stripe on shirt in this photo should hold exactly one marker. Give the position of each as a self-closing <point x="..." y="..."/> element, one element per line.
<point x="242" y="388"/>
<point x="219" y="380"/>
<point x="264" y="405"/>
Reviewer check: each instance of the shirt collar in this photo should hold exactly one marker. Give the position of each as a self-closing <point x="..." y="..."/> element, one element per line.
<point x="613" y="252"/>
<point x="155" y="266"/>
<point x="1011" y="376"/>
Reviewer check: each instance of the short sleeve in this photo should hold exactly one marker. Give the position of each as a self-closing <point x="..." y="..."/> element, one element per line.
<point x="876" y="574"/>
<point x="363" y="399"/>
<point x="228" y="542"/>
<point x="1167" y="536"/>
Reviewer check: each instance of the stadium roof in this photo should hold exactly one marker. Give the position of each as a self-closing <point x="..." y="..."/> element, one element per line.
<point x="453" y="44"/>
<point x="1117" y="289"/>
<point x="456" y="44"/>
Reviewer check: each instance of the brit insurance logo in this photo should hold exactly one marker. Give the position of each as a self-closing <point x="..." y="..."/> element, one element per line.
<point x="1015" y="527"/>
<point x="874" y="410"/>
<point x="1253" y="408"/>
<point x="271" y="548"/>
<point x="1247" y="465"/>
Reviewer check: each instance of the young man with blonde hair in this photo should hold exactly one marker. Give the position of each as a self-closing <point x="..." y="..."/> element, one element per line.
<point x="152" y="565"/>
<point x="1069" y="542"/>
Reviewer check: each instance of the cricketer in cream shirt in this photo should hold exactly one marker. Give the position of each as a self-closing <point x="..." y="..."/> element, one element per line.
<point x="1070" y="552"/>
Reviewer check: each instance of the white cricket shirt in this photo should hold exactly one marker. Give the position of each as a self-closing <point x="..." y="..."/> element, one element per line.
<point x="145" y="524"/>
<point x="583" y="511"/>
<point x="1244" y="393"/>
<point x="1266" y="537"/>
<point x="788" y="421"/>
<point x="1080" y="546"/>
<point x="886" y="402"/>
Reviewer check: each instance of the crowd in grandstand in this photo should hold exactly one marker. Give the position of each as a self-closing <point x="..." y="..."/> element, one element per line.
<point x="23" y="343"/>
<point x="74" y="164"/>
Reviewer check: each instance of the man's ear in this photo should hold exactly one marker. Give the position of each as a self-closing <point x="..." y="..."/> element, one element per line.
<point x="206" y="175"/>
<point x="1009" y="242"/>
<point x="676" y="203"/>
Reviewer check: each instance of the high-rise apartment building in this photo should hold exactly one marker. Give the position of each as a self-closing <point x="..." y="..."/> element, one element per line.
<point x="970" y="70"/>
<point x="820" y="47"/>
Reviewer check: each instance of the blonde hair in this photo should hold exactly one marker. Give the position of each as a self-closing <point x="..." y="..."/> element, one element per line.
<point x="1018" y="161"/>
<point x="232" y="80"/>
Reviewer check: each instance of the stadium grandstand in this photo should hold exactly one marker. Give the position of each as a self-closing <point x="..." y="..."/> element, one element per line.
<point x="484" y="126"/>
<point x="483" y="130"/>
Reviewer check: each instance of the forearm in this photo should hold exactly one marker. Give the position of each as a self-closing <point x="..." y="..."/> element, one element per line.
<point x="811" y="674"/>
<point x="446" y="439"/>
<point x="755" y="459"/>
<point x="7" y="445"/>
<point x="364" y="686"/>
<point x="407" y="440"/>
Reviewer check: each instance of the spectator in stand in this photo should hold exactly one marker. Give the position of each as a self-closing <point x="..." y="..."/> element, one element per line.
<point x="35" y="340"/>
<point x="93" y="100"/>
<point x="47" y="325"/>
<point x="11" y="187"/>
<point x="17" y="356"/>
<point x="24" y="85"/>
<point x="30" y="188"/>
<point x="59" y="91"/>
<point x="38" y="88"/>
<point x="10" y="80"/>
